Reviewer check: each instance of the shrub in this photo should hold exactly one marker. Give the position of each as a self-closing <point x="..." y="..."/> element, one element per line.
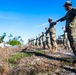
<point x="15" y="58"/>
<point x="14" y="42"/>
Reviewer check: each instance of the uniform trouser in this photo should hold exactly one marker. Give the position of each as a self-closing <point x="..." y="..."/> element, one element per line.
<point x="33" y="44"/>
<point x="39" y="43"/>
<point x="66" y="43"/>
<point x="72" y="38"/>
<point x="53" y="40"/>
<point x="48" y="42"/>
<point x="43" y="44"/>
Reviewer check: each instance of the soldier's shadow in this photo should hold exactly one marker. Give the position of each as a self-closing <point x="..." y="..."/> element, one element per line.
<point x="69" y="69"/>
<point x="53" y="58"/>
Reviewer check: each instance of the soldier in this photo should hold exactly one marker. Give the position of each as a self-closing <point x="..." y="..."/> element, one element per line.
<point x="33" y="42"/>
<point x="36" y="42"/>
<point x="48" y="42"/>
<point x="52" y="32"/>
<point x="29" y="43"/>
<point x="60" y="41"/>
<point x="40" y="41"/>
<point x="66" y="41"/>
<point x="43" y="40"/>
<point x="70" y="18"/>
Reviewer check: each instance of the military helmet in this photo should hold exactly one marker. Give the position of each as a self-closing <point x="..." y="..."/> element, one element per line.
<point x="46" y="28"/>
<point x="42" y="32"/>
<point x="68" y="3"/>
<point x="49" y="19"/>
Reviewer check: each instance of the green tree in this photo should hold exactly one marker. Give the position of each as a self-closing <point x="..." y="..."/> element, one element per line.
<point x="15" y="42"/>
<point x="2" y="37"/>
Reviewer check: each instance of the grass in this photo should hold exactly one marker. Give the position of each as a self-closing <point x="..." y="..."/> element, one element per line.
<point x="16" y="57"/>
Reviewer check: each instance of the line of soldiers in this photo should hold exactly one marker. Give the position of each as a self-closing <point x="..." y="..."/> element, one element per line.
<point x="70" y="19"/>
<point x="47" y="40"/>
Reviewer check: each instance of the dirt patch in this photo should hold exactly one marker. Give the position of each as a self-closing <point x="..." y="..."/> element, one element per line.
<point x="40" y="63"/>
<point x="5" y="53"/>
<point x="38" y="66"/>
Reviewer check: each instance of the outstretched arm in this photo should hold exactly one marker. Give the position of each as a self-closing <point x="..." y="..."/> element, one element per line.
<point x="61" y="19"/>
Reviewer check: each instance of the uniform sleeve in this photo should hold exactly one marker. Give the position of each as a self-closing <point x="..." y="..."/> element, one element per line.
<point x="74" y="11"/>
<point x="53" y="23"/>
<point x="48" y="30"/>
<point x="62" y="19"/>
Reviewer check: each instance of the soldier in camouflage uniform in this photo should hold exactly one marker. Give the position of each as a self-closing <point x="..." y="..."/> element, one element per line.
<point x="52" y="32"/>
<point x="40" y="44"/>
<point x="33" y="44"/>
<point x="43" y="40"/>
<point x="48" y="42"/>
<point x="37" y="45"/>
<point x="66" y="41"/>
<point x="29" y="44"/>
<point x="70" y="18"/>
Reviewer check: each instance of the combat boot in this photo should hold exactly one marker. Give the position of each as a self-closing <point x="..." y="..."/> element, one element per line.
<point x="54" y="50"/>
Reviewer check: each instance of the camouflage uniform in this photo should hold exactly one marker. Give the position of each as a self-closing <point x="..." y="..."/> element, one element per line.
<point x="40" y="41"/>
<point x="66" y="41"/>
<point x="48" y="42"/>
<point x="33" y="44"/>
<point x="43" y="40"/>
<point x="37" y="45"/>
<point x="52" y="33"/>
<point x="29" y="43"/>
<point x="70" y="18"/>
